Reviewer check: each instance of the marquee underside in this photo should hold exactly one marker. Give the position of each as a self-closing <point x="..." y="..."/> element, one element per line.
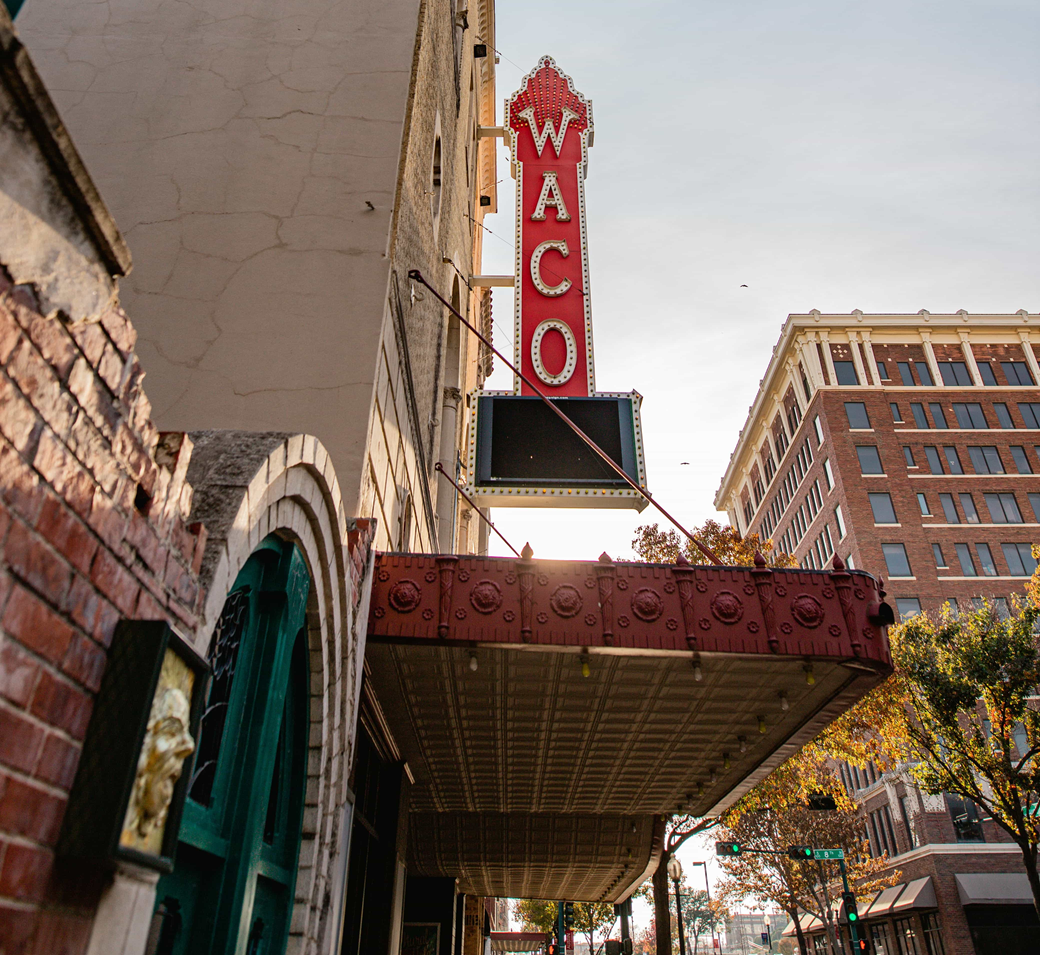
<point x="533" y="780"/>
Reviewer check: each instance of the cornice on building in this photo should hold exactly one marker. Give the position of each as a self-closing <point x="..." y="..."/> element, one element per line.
<point x="803" y="330"/>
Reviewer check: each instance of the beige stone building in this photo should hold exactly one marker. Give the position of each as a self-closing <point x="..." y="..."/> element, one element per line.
<point x="276" y="172"/>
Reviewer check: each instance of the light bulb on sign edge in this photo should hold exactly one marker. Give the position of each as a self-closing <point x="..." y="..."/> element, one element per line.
<point x="585" y="668"/>
<point x="810" y="677"/>
<point x="761" y="724"/>
<point x="725" y="760"/>
<point x="784" y="705"/>
<point x="743" y="743"/>
<point x="473" y="664"/>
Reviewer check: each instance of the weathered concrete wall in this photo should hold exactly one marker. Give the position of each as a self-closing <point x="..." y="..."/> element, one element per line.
<point x="239" y="147"/>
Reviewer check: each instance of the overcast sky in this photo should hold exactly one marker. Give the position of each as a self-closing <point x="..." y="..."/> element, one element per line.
<point x="828" y="154"/>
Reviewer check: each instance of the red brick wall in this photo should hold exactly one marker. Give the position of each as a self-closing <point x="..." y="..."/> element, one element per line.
<point x="92" y="502"/>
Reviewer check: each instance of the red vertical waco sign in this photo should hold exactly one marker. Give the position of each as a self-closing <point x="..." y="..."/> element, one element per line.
<point x="550" y="126"/>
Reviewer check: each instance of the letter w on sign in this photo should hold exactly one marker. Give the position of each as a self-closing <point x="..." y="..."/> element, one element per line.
<point x="553" y="326"/>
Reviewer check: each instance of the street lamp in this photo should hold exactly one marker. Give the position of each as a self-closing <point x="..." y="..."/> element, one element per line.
<point x="769" y="934"/>
<point x="675" y="874"/>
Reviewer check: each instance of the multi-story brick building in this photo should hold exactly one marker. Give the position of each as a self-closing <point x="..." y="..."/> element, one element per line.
<point x="908" y="446"/>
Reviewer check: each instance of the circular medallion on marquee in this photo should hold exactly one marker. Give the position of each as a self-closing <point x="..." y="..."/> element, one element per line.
<point x="727" y="606"/>
<point x="404" y="596"/>
<point x="807" y="610"/>
<point x="571" y="361"/>
<point x="647" y="605"/>
<point x="486" y="596"/>
<point x="565" y="601"/>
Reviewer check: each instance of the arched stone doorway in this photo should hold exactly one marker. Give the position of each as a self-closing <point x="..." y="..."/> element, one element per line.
<point x="232" y="889"/>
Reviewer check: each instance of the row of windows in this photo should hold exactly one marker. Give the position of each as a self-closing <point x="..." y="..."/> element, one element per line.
<point x="969" y="415"/>
<point x="1002" y="506"/>
<point x="821" y="550"/>
<point x="953" y="373"/>
<point x="785" y="492"/>
<point x="985" y="459"/>
<point x="802" y="519"/>
<point x="907" y="607"/>
<point x="1017" y="555"/>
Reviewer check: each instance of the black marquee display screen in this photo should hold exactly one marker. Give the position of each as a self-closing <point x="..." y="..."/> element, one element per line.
<point x="521" y="443"/>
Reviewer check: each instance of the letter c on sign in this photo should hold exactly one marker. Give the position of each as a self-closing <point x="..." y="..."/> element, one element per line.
<point x="554" y="324"/>
<point x="560" y="245"/>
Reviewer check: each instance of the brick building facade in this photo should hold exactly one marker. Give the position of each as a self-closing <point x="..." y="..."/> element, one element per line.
<point x="908" y="446"/>
<point x="243" y="508"/>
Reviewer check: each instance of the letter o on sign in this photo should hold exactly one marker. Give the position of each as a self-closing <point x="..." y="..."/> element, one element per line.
<point x="549" y="325"/>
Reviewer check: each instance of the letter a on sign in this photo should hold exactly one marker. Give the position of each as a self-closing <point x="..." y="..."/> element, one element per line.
<point x="550" y="126"/>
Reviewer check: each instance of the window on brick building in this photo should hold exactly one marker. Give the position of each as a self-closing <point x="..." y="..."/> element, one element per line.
<point x="968" y="506"/>
<point x="908" y="825"/>
<point x="922" y="502"/>
<point x="1003" y="415"/>
<point x="839" y="519"/>
<point x="881" y="506"/>
<point x="952" y="460"/>
<point x="1017" y="372"/>
<point x="906" y="374"/>
<point x="954" y="373"/>
<point x="937" y="414"/>
<point x="949" y="509"/>
<point x="951" y="602"/>
<point x="907" y="607"/>
<point x="856" y="412"/>
<point x="1020" y="559"/>
<point x="906" y="936"/>
<point x="924" y="373"/>
<point x="845" y="371"/>
<point x="965" y="817"/>
<point x="897" y="415"/>
<point x="986" y="459"/>
<point x="869" y="459"/>
<point x="965" y="559"/>
<point x="818" y="428"/>
<point x="920" y="418"/>
<point x="1034" y="503"/>
<point x="969" y="415"/>
<point x="1030" y="411"/>
<point x="908" y="457"/>
<point x="989" y="568"/>
<point x="827" y="473"/>
<point x="896" y="560"/>
<point x="1021" y="459"/>
<point x="931" y="454"/>
<point x="940" y="559"/>
<point x="932" y="933"/>
<point x="882" y="371"/>
<point x="1003" y="508"/>
<point x="986" y="374"/>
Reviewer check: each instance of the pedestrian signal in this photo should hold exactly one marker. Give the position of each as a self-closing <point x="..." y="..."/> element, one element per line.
<point x="848" y="900"/>
<point x="727" y="848"/>
<point x="800" y="852"/>
<point x="863" y="946"/>
<point x="568" y="915"/>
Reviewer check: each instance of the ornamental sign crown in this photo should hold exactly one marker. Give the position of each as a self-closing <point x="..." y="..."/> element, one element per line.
<point x="549" y="125"/>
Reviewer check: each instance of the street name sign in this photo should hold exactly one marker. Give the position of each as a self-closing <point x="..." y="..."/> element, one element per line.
<point x="828" y="854"/>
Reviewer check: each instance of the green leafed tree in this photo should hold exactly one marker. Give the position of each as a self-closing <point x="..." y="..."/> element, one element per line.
<point x="973" y="724"/>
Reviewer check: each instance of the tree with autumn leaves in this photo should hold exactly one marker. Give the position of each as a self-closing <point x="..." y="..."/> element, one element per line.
<point x="538" y="915"/>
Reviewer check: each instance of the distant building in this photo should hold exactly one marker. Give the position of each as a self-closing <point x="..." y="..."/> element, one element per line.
<point x="909" y="446"/>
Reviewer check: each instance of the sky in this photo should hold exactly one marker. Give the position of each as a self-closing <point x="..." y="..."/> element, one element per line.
<point x="827" y="154"/>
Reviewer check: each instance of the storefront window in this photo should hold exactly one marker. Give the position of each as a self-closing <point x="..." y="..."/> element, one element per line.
<point x="882" y="939"/>
<point x="932" y="936"/>
<point x="906" y="937"/>
<point x="965" y="816"/>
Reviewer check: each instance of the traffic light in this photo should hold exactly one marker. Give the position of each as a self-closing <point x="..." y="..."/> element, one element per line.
<point x="862" y="947"/>
<point x="727" y="848"/>
<point x="821" y="802"/>
<point x="800" y="852"/>
<point x="568" y="915"/>
<point x="848" y="900"/>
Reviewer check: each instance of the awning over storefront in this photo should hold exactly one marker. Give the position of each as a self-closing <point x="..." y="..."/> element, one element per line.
<point x="994" y="888"/>
<point x="552" y="712"/>
<point x="518" y="941"/>
<point x="919" y="894"/>
<point x="882" y="904"/>
<point x="809" y="924"/>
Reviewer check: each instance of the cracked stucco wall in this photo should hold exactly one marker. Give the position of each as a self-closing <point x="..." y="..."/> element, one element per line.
<point x="238" y="147"/>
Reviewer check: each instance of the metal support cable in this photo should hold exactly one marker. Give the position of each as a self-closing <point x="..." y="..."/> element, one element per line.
<point x="417" y="276"/>
<point x="469" y="500"/>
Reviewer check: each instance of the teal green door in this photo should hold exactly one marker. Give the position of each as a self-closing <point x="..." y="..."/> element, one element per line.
<point x="231" y="890"/>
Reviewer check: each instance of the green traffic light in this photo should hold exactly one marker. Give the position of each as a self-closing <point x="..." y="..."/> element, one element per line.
<point x="853" y="916"/>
